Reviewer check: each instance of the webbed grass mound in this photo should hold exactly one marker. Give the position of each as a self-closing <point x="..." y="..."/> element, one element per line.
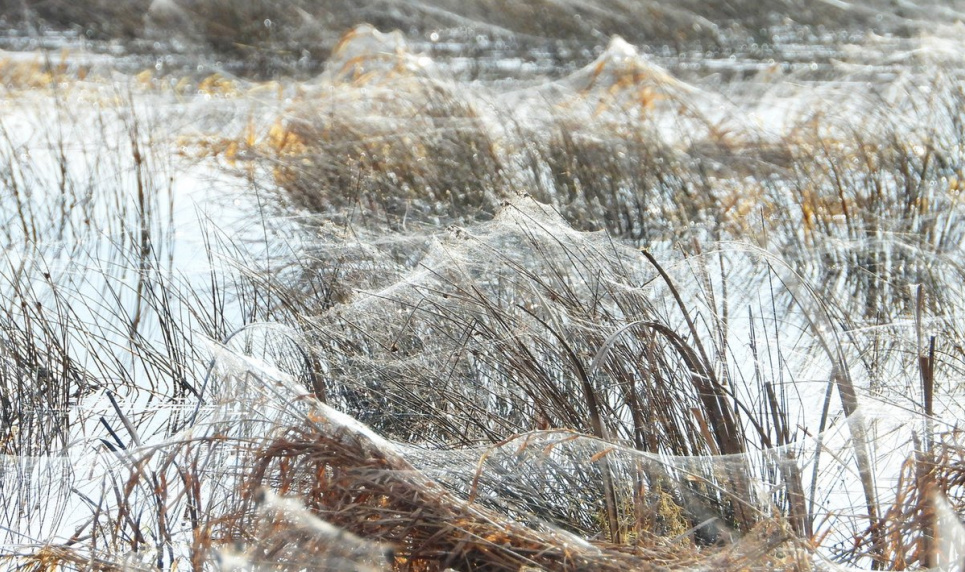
<point x="499" y="291"/>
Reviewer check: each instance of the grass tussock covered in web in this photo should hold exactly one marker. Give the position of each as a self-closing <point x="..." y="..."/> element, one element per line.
<point x="409" y="315"/>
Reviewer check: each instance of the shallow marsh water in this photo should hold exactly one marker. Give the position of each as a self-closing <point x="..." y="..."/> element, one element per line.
<point x="419" y="252"/>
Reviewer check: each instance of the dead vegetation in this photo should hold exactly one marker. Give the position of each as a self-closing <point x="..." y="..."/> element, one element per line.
<point x="597" y="323"/>
<point x="269" y="37"/>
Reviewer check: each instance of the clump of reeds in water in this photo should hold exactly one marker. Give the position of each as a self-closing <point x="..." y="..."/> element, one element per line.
<point x="380" y="391"/>
<point x="866" y="203"/>
<point x="845" y="212"/>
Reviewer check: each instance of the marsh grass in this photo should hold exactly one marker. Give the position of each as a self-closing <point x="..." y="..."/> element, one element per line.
<point x="875" y="195"/>
<point x="845" y="219"/>
<point x="414" y="152"/>
<point x="265" y="38"/>
<point x="590" y="324"/>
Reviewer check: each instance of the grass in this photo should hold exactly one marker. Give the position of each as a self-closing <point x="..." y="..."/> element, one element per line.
<point x="264" y="37"/>
<point x="599" y="321"/>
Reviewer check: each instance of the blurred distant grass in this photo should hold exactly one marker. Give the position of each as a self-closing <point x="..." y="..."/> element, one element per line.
<point x="284" y="37"/>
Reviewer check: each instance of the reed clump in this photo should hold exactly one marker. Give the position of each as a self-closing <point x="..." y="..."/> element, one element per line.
<point x="600" y="320"/>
